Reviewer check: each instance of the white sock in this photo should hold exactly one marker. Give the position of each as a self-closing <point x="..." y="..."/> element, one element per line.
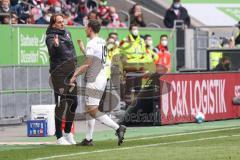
<point x="90" y="123"/>
<point x="105" y="119"/>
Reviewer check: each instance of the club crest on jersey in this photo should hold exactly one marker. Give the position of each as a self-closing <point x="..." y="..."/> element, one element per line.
<point x="68" y="36"/>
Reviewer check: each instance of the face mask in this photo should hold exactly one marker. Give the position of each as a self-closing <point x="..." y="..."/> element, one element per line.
<point x="177" y="5"/>
<point x="110" y="46"/>
<point x="117" y="43"/>
<point x="149" y="43"/>
<point x="73" y="10"/>
<point x="57" y="9"/>
<point x="164" y="42"/>
<point x="47" y="18"/>
<point x="135" y="32"/>
<point x="5" y="8"/>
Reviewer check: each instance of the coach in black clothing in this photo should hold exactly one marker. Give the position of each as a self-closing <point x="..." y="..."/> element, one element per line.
<point x="62" y="65"/>
<point x="176" y="12"/>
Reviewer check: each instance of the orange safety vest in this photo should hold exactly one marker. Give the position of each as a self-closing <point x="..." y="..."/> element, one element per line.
<point x="164" y="57"/>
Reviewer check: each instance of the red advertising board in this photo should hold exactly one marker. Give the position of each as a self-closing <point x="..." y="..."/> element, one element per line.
<point x="183" y="95"/>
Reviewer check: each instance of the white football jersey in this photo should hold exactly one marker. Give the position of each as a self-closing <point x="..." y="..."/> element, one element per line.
<point x="97" y="50"/>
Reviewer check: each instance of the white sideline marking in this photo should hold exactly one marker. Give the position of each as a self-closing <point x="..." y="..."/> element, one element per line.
<point x="182" y="134"/>
<point x="26" y="143"/>
<point x="134" y="147"/>
<point x="136" y="139"/>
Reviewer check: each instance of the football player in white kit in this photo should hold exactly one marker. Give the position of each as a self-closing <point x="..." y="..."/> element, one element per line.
<point x="96" y="80"/>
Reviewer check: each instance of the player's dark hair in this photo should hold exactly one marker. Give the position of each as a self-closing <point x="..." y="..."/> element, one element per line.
<point x="95" y="25"/>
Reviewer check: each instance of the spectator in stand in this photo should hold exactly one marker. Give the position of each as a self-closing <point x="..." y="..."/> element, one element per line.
<point x="176" y="12"/>
<point x="114" y="19"/>
<point x="5" y="6"/>
<point x="45" y="19"/>
<point x="103" y="12"/>
<point x="164" y="56"/>
<point x="228" y="43"/>
<point x="57" y="6"/>
<point x="22" y="10"/>
<point x="82" y="12"/>
<point x="91" y="15"/>
<point x="91" y="5"/>
<point x="37" y="11"/>
<point x="30" y="19"/>
<point x="68" y="18"/>
<point x="14" y="19"/>
<point x="4" y="10"/>
<point x="136" y="16"/>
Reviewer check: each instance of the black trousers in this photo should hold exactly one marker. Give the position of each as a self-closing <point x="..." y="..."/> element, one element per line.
<point x="68" y="103"/>
<point x="65" y="102"/>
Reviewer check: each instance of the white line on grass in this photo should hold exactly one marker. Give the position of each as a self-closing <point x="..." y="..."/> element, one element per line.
<point x="134" y="147"/>
<point x="134" y="139"/>
<point x="27" y="143"/>
<point x="182" y="134"/>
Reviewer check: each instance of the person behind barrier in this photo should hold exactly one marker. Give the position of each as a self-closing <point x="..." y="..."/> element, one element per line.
<point x="62" y="64"/>
<point x="164" y="56"/>
<point x="223" y="65"/>
<point x="113" y="56"/>
<point x="176" y="12"/>
<point x="133" y="44"/>
<point x="237" y="39"/>
<point x="4" y="9"/>
<point x="149" y="47"/>
<point x="228" y="43"/>
<point x="136" y="16"/>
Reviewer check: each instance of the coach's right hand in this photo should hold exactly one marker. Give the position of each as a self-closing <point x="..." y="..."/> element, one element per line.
<point x="56" y="41"/>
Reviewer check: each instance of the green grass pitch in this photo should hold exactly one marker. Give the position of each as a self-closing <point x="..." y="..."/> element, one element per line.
<point x="209" y="141"/>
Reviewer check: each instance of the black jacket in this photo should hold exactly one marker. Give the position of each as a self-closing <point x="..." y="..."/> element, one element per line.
<point x="62" y="58"/>
<point x="170" y="17"/>
<point x="221" y="67"/>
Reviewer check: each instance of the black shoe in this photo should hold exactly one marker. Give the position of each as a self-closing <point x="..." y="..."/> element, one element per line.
<point x="85" y="142"/>
<point x="120" y="133"/>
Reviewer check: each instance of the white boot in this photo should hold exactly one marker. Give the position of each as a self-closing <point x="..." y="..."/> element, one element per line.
<point x="70" y="138"/>
<point x="62" y="141"/>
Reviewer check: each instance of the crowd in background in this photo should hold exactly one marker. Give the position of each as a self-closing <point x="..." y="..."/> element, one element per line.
<point x="76" y="12"/>
<point x="79" y="12"/>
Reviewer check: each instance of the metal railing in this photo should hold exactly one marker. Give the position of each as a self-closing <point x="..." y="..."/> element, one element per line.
<point x="154" y="25"/>
<point x="127" y="17"/>
<point x="21" y="87"/>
